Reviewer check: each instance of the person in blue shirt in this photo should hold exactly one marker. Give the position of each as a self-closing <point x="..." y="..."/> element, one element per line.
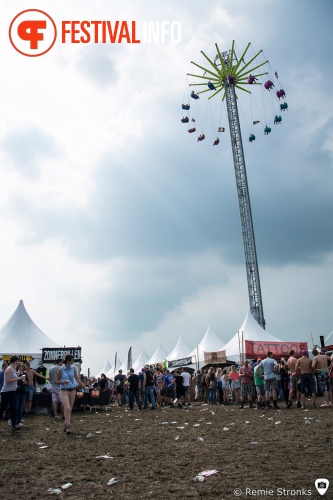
<point x="68" y="380"/>
<point x="270" y="368"/>
<point x="169" y="387"/>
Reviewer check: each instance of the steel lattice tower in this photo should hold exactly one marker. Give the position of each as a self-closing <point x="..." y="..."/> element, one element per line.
<point x="228" y="74"/>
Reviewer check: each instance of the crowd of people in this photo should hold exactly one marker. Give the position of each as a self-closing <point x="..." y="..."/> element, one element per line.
<point x="258" y="384"/>
<point x="17" y="389"/>
<point x="266" y="381"/>
<point x="152" y="387"/>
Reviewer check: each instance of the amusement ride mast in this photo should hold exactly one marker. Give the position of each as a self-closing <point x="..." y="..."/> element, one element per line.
<point x="226" y="74"/>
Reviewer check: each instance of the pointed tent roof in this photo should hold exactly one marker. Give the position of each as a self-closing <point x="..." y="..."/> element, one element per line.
<point x="158" y="356"/>
<point x="136" y="365"/>
<point x="209" y="343"/>
<point x="140" y="361"/>
<point x="104" y="370"/>
<point x="20" y="335"/>
<point x="122" y="367"/>
<point x="251" y="331"/>
<point x="111" y="373"/>
<point x="180" y="351"/>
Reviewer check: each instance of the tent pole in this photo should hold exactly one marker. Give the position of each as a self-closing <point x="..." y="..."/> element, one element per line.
<point x="115" y="365"/>
<point x="243" y="347"/>
<point x="239" y="349"/>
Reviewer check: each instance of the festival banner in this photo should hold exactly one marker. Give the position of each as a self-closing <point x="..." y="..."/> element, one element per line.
<point x="23" y="357"/>
<point x="115" y="363"/>
<point x="215" y="357"/>
<point x="259" y="348"/>
<point x="129" y="359"/>
<point x="180" y="362"/>
<point x="51" y="354"/>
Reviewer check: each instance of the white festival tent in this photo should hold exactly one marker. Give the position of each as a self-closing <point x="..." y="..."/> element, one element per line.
<point x="180" y="351"/>
<point x="141" y="361"/>
<point x="104" y="370"/>
<point x="122" y="367"/>
<point x="21" y="336"/>
<point x="111" y="373"/>
<point x="158" y="356"/>
<point x="210" y="343"/>
<point x="249" y="330"/>
<point x="136" y="365"/>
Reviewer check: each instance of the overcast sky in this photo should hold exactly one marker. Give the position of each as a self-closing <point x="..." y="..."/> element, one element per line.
<point x="118" y="228"/>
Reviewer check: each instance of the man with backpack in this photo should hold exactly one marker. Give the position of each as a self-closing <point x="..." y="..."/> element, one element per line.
<point x="119" y="381"/>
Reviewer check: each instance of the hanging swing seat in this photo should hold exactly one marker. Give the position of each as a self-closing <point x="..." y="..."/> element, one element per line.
<point x="267" y="130"/>
<point x="277" y="119"/>
<point x="281" y="93"/>
<point x="216" y="142"/>
<point x="185" y="119"/>
<point x="186" y="106"/>
<point x="191" y="130"/>
<point x="252" y="138"/>
<point x="283" y="106"/>
<point x="268" y="85"/>
<point x="201" y="137"/>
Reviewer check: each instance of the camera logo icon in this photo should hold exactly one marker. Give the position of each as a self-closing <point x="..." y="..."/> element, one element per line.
<point x="322" y="485"/>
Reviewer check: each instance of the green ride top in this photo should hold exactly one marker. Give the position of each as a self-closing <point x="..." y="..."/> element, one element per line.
<point x="228" y="71"/>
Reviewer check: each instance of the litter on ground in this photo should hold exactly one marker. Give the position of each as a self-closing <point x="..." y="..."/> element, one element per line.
<point x="67" y="485"/>
<point x="113" y="480"/>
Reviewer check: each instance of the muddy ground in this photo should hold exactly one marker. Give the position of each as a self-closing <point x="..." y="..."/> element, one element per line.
<point x="157" y="454"/>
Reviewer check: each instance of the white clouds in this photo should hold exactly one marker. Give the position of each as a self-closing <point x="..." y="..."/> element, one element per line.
<point x="299" y="300"/>
<point x="119" y="227"/>
<point x="97" y="66"/>
<point x="26" y="148"/>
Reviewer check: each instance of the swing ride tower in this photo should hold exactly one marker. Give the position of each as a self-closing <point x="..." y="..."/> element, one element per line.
<point x="226" y="74"/>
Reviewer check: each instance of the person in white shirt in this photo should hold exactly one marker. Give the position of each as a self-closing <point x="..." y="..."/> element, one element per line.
<point x="187" y="378"/>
